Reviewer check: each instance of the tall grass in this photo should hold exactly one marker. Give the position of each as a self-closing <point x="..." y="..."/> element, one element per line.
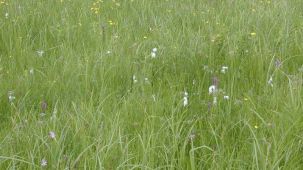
<point x="84" y="70"/>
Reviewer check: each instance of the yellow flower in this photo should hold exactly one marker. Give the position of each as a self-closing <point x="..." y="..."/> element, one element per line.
<point x="256" y="126"/>
<point x="110" y="22"/>
<point x="253" y="34"/>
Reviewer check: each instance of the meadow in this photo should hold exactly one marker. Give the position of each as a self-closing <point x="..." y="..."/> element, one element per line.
<point x="151" y="84"/>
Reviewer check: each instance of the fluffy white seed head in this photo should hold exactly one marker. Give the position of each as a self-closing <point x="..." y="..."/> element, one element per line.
<point x="212" y="89"/>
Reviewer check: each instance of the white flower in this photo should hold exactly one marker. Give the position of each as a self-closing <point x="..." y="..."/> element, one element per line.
<point x="11" y="96"/>
<point x="6" y="15"/>
<point x="194" y="82"/>
<point x="40" y="53"/>
<point x="212" y="89"/>
<point x="278" y="63"/>
<point x="185" y="99"/>
<point x="224" y="69"/>
<point x="108" y="52"/>
<point x="153" y="54"/>
<point x="43" y="162"/>
<point x="185" y="94"/>
<point x="192" y="136"/>
<point x="226" y="97"/>
<point x="135" y="79"/>
<point x="52" y="135"/>
<point x="270" y="82"/>
<point x="31" y="71"/>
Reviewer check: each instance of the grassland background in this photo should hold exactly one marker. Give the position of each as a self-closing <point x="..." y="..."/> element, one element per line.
<point x="104" y="120"/>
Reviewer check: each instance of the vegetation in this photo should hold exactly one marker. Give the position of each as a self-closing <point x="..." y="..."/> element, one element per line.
<point x="151" y="84"/>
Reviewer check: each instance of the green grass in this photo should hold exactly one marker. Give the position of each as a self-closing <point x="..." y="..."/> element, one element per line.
<point x="103" y="119"/>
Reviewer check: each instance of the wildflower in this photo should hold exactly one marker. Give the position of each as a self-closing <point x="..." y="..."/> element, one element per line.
<point x="194" y="82"/>
<point x="135" y="79"/>
<point x="278" y="63"/>
<point x="192" y="136"/>
<point x="43" y="162"/>
<point x="111" y="22"/>
<point x="40" y="53"/>
<point x="95" y="7"/>
<point x="108" y="52"/>
<point x="256" y="126"/>
<point x="31" y="71"/>
<point x="185" y="99"/>
<point x="270" y="82"/>
<point x="226" y="97"/>
<point x="52" y="135"/>
<point x="253" y="34"/>
<point x="212" y="89"/>
<point x="42" y="114"/>
<point x="185" y="94"/>
<point x="11" y="96"/>
<point x="6" y="15"/>
<point x="153" y="54"/>
<point x="224" y="69"/>
<point x="146" y="80"/>
<point x="145" y="37"/>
